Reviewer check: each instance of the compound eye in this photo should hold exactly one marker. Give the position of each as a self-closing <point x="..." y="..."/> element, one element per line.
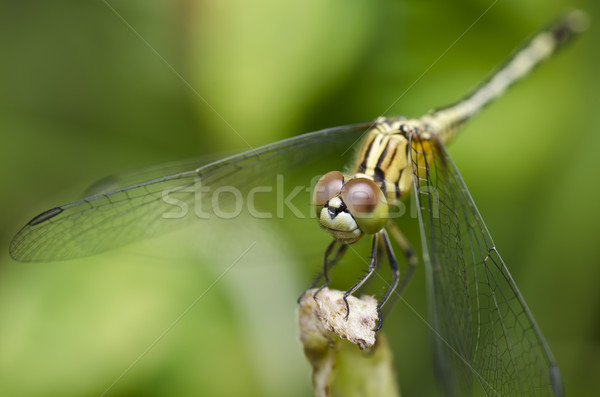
<point x="367" y="204"/>
<point x="328" y="187"/>
<point x="361" y="196"/>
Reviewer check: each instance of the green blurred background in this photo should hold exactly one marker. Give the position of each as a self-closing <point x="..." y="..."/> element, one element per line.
<point x="83" y="96"/>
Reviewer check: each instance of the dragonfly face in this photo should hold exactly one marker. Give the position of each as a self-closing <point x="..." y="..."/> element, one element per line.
<point x="350" y="207"/>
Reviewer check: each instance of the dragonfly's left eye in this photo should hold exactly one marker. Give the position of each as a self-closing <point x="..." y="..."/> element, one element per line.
<point x="367" y="204"/>
<point x="328" y="187"/>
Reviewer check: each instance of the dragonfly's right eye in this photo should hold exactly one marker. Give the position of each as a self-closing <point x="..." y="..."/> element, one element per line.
<point x="328" y="187"/>
<point x="367" y="204"/>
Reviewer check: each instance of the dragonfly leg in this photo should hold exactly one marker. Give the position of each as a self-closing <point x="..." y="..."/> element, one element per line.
<point x="372" y="266"/>
<point x="327" y="264"/>
<point x="395" y="274"/>
<point x="411" y="258"/>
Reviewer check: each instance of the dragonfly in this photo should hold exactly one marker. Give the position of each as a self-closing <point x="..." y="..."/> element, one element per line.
<point x="485" y="336"/>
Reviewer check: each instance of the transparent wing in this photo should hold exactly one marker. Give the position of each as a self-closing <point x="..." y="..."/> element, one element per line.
<point x="484" y="333"/>
<point x="115" y="218"/>
<point x="132" y="177"/>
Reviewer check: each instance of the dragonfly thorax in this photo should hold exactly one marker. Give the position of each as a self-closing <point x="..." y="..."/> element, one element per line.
<point x="384" y="155"/>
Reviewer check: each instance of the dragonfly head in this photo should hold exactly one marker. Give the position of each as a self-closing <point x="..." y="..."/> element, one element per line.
<point x="348" y="208"/>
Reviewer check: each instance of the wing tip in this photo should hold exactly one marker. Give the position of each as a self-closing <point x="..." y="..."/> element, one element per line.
<point x="44" y="216"/>
<point x="14" y="251"/>
<point x="18" y="249"/>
